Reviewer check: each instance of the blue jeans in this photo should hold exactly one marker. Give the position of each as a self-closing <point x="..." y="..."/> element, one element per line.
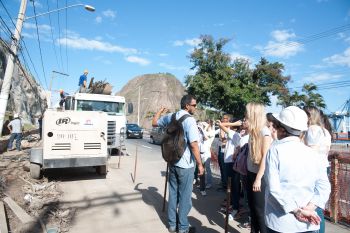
<point x="180" y="192"/>
<point x="321" y="215"/>
<point x="18" y="137"/>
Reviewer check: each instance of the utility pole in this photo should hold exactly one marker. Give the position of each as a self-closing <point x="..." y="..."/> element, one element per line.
<point x="138" y="107"/>
<point x="5" y="89"/>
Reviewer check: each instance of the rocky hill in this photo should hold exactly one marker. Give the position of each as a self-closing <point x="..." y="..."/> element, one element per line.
<point x="156" y="90"/>
<point x="26" y="97"/>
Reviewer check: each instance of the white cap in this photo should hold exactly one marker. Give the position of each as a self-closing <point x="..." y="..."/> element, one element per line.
<point x="293" y="117"/>
<point x="15" y="115"/>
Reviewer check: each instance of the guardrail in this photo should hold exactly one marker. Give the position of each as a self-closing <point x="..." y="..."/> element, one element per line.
<point x="338" y="206"/>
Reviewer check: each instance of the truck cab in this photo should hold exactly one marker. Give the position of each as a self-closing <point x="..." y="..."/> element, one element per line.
<point x="114" y="106"/>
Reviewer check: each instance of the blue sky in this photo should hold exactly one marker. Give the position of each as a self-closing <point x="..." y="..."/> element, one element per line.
<point x="123" y="39"/>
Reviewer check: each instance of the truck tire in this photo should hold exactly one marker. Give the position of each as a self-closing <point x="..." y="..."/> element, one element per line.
<point x="35" y="170"/>
<point x="102" y="170"/>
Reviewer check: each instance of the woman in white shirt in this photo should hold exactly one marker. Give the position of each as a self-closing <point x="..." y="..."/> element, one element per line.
<point x="319" y="139"/>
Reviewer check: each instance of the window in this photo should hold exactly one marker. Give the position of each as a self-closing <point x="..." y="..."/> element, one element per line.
<point x="105" y="106"/>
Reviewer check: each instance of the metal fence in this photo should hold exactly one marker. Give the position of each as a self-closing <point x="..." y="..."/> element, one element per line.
<point x="338" y="206"/>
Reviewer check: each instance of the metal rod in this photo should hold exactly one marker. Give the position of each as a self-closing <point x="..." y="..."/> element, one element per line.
<point x="135" y="165"/>
<point x="165" y="186"/>
<point x="228" y="201"/>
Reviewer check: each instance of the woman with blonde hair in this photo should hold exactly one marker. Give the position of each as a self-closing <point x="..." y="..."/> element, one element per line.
<point x="319" y="139"/>
<point x="259" y="143"/>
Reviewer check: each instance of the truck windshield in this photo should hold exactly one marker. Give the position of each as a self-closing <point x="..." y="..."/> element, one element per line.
<point x="105" y="106"/>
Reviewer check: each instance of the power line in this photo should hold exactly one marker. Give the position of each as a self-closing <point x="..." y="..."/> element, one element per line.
<point x="317" y="36"/>
<point x="66" y="36"/>
<point x="41" y="55"/>
<point x="53" y="41"/>
<point x="59" y="34"/>
<point x="326" y="85"/>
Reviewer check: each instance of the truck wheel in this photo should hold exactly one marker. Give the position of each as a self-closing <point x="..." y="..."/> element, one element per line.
<point x="101" y="170"/>
<point x="35" y="170"/>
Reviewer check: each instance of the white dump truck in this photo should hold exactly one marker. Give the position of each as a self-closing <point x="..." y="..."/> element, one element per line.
<point x="71" y="139"/>
<point x="113" y="105"/>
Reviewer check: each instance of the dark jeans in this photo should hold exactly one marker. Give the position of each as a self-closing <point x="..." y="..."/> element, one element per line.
<point x="235" y="185"/>
<point x="221" y="166"/>
<point x="272" y="231"/>
<point x="180" y="191"/>
<point x="18" y="137"/>
<point x="256" y="202"/>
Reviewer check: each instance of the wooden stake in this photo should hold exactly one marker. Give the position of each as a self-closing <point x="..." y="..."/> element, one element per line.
<point x="165" y="185"/>
<point x="228" y="201"/>
<point x="135" y="166"/>
<point x="120" y="155"/>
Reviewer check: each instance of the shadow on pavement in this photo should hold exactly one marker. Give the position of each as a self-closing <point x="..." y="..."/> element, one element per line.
<point x="151" y="197"/>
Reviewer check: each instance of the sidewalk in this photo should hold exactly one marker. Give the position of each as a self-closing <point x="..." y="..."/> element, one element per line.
<point x="117" y="204"/>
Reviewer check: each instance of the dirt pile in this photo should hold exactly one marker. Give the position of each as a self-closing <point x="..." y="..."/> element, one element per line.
<point x="38" y="198"/>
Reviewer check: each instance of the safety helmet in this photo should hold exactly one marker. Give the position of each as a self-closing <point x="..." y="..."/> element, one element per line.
<point x="16" y="115"/>
<point x="293" y="117"/>
<point x="86" y="71"/>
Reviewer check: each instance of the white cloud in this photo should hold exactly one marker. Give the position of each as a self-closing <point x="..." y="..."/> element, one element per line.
<point x="339" y="59"/>
<point x="163" y="54"/>
<point x="86" y="44"/>
<point x="138" y="60"/>
<point x="41" y="27"/>
<point x="324" y="76"/>
<point x="281" y="46"/>
<point x="236" y="55"/>
<point x="172" y="67"/>
<point x="282" y="35"/>
<point x="191" y="42"/>
<point x="98" y="19"/>
<point x="109" y="14"/>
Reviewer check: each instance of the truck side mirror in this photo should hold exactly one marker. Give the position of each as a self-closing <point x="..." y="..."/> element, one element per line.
<point x="130" y="108"/>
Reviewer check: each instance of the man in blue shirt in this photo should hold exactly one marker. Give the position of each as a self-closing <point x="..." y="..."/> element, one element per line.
<point x="83" y="82"/>
<point x="181" y="174"/>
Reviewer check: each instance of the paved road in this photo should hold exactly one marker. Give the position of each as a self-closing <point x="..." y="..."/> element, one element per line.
<point x="116" y="204"/>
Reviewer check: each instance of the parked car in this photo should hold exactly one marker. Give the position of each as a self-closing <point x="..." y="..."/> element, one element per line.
<point x="134" y="131"/>
<point x="156" y="135"/>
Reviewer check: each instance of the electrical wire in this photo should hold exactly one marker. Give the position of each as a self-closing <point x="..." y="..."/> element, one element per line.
<point x="8" y="14"/>
<point x="41" y="55"/>
<point x="59" y="34"/>
<point x="66" y="36"/>
<point x="52" y="37"/>
<point x="317" y="36"/>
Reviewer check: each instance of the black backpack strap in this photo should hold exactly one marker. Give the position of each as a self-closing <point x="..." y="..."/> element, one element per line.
<point x="183" y="118"/>
<point x="173" y="117"/>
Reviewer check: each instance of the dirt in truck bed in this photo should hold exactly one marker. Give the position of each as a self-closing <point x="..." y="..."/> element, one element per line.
<point x="38" y="198"/>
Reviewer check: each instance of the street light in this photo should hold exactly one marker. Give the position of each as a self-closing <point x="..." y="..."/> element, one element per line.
<point x="5" y="89"/>
<point x="87" y="7"/>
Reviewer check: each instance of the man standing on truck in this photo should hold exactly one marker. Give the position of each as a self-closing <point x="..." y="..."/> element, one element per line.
<point x="181" y="173"/>
<point x="83" y="82"/>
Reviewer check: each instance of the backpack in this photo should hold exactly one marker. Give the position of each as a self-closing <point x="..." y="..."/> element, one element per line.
<point x="173" y="142"/>
<point x="240" y="164"/>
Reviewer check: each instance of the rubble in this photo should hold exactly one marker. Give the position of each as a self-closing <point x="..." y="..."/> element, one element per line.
<point x="38" y="198"/>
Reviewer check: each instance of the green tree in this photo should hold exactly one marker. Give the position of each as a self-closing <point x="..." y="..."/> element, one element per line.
<point x="229" y="85"/>
<point x="307" y="97"/>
